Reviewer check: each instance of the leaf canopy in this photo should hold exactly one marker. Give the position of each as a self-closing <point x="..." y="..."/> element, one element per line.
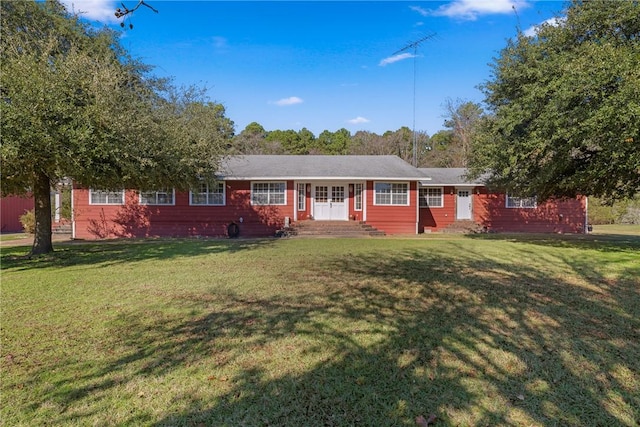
<point x="565" y="107"/>
<point x="75" y="104"/>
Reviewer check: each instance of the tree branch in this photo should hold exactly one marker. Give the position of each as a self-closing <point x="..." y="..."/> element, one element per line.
<point x="124" y="11"/>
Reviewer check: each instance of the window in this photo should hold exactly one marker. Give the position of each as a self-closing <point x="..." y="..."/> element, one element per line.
<point x="208" y="194"/>
<point x="160" y="197"/>
<point x="302" y="197"/>
<point x="357" y="194"/>
<point x="387" y="193"/>
<point x="268" y="193"/>
<point x="431" y="197"/>
<point x="521" y="202"/>
<point x="102" y="197"/>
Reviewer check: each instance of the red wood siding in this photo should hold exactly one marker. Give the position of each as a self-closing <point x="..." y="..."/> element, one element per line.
<point x="181" y="219"/>
<point x="490" y="211"/>
<point x="392" y="219"/>
<point x="11" y="209"/>
<point x="435" y="219"/>
<point x="553" y="216"/>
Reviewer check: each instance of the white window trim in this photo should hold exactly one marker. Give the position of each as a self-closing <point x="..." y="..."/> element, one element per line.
<point x="284" y="203"/>
<point x="173" y="198"/>
<point x="426" y="201"/>
<point x="224" y="196"/>
<point x="375" y="198"/>
<point x="91" y="202"/>
<point x="520" y="202"/>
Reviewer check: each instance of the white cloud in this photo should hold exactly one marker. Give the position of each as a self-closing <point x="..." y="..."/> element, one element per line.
<point x="471" y="9"/>
<point x="533" y="30"/>
<point x="95" y="10"/>
<point x="292" y="100"/>
<point x="395" y="58"/>
<point x="420" y="10"/>
<point x="358" y="120"/>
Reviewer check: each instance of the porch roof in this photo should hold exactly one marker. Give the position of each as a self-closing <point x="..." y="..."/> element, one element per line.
<point x="312" y="167"/>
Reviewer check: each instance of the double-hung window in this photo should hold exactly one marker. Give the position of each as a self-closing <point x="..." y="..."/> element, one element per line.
<point x="391" y="193"/>
<point x="208" y="194"/>
<point x="160" y="197"/>
<point x="103" y="197"/>
<point x="521" y="202"/>
<point x="268" y="193"/>
<point x="431" y="198"/>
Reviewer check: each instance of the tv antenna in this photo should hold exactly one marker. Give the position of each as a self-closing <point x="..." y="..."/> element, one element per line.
<point x="409" y="46"/>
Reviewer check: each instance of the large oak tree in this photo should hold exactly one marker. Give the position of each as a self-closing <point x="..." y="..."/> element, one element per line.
<point x="565" y="106"/>
<point x="75" y="105"/>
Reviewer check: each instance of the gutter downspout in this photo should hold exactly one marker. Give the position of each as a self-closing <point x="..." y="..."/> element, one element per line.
<point x="417" y="207"/>
<point x="586" y="215"/>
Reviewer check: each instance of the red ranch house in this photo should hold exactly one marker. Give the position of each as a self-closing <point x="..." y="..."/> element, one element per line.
<point x="258" y="195"/>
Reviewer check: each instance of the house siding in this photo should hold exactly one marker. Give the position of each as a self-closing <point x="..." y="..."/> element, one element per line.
<point x="181" y="219"/>
<point x="392" y="219"/>
<point x="489" y="211"/>
<point x="552" y="216"/>
<point x="438" y="218"/>
<point x="11" y="209"/>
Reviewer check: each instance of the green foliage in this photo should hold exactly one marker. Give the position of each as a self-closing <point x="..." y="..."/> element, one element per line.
<point x="75" y="104"/>
<point x="28" y="221"/>
<point x="626" y="211"/>
<point x="566" y="116"/>
<point x="462" y="121"/>
<point x="254" y="139"/>
<point x="334" y="142"/>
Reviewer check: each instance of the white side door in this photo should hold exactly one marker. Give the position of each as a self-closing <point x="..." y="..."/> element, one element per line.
<point x="463" y="204"/>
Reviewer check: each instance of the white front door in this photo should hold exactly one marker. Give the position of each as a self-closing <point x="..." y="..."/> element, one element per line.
<point x="329" y="202"/>
<point x="463" y="204"/>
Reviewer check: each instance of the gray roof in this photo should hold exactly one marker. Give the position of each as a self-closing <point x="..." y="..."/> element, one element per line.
<point x="312" y="167"/>
<point x="448" y="176"/>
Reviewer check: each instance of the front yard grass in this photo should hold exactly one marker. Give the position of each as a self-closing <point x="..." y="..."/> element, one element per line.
<point x="484" y="330"/>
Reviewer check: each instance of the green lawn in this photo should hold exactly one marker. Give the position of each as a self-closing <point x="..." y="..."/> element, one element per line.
<point x="487" y="330"/>
<point x="14" y="236"/>
<point x="624" y="229"/>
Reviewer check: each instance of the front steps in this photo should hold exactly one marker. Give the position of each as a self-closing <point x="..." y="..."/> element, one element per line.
<point x="64" y="228"/>
<point x="311" y="228"/>
<point x="463" y="227"/>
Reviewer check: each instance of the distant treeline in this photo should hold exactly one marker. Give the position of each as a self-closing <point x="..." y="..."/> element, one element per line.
<point x="446" y="148"/>
<point x="437" y="151"/>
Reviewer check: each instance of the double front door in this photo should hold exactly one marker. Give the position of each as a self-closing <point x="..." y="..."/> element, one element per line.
<point x="330" y="202"/>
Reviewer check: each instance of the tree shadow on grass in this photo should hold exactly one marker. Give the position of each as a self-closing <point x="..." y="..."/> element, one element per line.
<point x="381" y="340"/>
<point x="109" y="252"/>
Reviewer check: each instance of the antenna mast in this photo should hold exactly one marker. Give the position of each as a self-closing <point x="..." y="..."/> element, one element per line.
<point x="414" y="45"/>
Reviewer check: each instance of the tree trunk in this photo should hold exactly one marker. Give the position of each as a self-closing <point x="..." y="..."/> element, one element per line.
<point x="42" y="243"/>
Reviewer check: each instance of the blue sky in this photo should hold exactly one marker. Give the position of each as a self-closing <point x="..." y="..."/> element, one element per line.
<point x="325" y="65"/>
